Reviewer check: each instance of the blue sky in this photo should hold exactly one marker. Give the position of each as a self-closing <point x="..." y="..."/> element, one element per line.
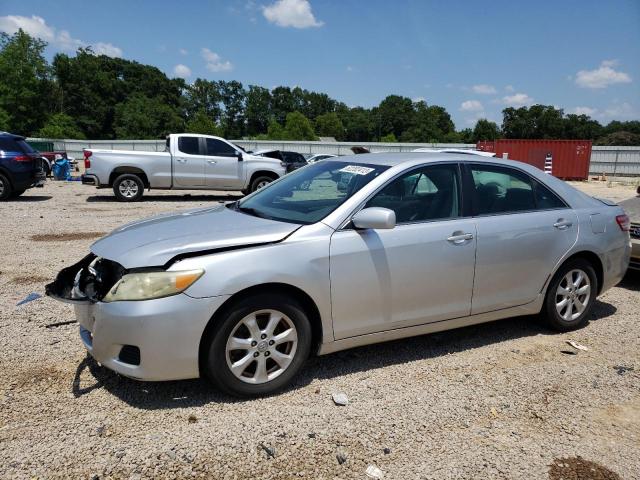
<point x="472" y="57"/>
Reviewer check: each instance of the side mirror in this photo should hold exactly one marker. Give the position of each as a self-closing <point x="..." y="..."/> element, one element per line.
<point x="239" y="155"/>
<point x="374" y="217"/>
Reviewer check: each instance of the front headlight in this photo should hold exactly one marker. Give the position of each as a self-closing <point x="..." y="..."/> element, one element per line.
<point x="150" y="285"/>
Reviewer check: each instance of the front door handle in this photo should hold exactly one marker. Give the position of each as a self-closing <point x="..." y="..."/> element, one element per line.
<point x="459" y="238"/>
<point x="212" y="162"/>
<point x="562" y="224"/>
<point x="181" y="160"/>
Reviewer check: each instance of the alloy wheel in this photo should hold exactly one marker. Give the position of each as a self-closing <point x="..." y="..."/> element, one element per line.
<point x="128" y="188"/>
<point x="261" y="346"/>
<point x="263" y="183"/>
<point x="573" y="294"/>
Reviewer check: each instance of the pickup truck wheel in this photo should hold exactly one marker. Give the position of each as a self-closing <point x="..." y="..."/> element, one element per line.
<point x="260" y="182"/>
<point x="258" y="346"/>
<point x="128" y="188"/>
<point x="5" y="188"/>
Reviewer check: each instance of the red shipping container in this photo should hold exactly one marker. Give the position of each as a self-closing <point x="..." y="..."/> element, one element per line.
<point x="570" y="158"/>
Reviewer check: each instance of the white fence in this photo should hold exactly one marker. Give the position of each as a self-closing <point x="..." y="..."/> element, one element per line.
<point x="621" y="161"/>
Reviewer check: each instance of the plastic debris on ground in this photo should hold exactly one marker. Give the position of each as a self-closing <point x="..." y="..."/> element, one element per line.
<point x="374" y="472"/>
<point x="577" y="346"/>
<point x="29" y="298"/>
<point x="340" y="399"/>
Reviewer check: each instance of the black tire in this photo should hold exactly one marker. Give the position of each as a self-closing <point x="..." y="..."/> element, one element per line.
<point x="17" y="193"/>
<point x="5" y="188"/>
<point x="128" y="187"/>
<point x="553" y="298"/>
<point x="260" y="181"/>
<point x="215" y="363"/>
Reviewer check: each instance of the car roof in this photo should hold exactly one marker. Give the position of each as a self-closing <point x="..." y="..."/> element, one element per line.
<point x="12" y="135"/>
<point x="392" y="159"/>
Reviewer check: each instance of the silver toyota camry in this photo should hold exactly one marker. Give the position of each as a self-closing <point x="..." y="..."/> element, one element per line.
<point x="344" y="252"/>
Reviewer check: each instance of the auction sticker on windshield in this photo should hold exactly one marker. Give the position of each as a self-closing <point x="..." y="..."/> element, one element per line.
<point x="357" y="170"/>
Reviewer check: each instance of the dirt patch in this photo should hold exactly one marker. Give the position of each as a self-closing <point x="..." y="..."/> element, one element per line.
<point x="26" y="279"/>
<point x="579" y="469"/>
<point x="60" y="237"/>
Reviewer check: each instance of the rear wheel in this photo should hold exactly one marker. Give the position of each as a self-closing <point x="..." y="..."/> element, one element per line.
<point x="5" y="188"/>
<point x="260" y="181"/>
<point x="259" y="346"/>
<point x="128" y="187"/>
<point x="570" y="295"/>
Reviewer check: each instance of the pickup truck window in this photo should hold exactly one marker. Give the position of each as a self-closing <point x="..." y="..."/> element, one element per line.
<point x="219" y="148"/>
<point x="189" y="145"/>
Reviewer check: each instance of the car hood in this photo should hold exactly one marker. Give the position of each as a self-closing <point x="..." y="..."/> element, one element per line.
<point x="157" y="240"/>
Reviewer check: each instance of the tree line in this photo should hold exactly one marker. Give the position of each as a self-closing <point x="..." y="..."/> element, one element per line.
<point x="99" y="97"/>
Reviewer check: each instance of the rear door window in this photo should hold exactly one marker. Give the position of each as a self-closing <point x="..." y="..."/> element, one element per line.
<point x="219" y="148"/>
<point x="501" y="190"/>
<point x="7" y="145"/>
<point x="189" y="145"/>
<point x="546" y="199"/>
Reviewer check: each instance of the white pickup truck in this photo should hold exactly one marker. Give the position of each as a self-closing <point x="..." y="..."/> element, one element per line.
<point x="189" y="162"/>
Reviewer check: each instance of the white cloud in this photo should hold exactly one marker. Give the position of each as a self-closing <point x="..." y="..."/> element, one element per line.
<point x="181" y="71"/>
<point x="107" y="49"/>
<point x="183" y="51"/>
<point x="484" y="89"/>
<point x="215" y="62"/>
<point x="350" y="68"/>
<point x="419" y="99"/>
<point x="585" y="111"/>
<point x="517" y="100"/>
<point x="509" y="88"/>
<point x="58" y="39"/>
<point x="471" y="106"/>
<point x="291" y="13"/>
<point x="602" y="77"/>
<point x="621" y="111"/>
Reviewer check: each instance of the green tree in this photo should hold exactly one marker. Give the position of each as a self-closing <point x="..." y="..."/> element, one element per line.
<point x="25" y="82"/>
<point x="621" y="138"/>
<point x="203" y="124"/>
<point x="141" y="117"/>
<point x="282" y="103"/>
<point x="485" y="130"/>
<point x="389" y="138"/>
<point x="61" y="125"/>
<point x="257" y="110"/>
<point x="581" y="127"/>
<point x="357" y="123"/>
<point x="4" y="120"/>
<point x="203" y="96"/>
<point x="395" y="114"/>
<point x="298" y="127"/>
<point x="233" y="98"/>
<point x="537" y="121"/>
<point x="329" y="125"/>
<point x="276" y="131"/>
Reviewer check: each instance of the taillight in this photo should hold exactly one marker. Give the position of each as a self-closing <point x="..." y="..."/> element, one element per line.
<point x="23" y="158"/>
<point x="623" y="222"/>
<point x="87" y="161"/>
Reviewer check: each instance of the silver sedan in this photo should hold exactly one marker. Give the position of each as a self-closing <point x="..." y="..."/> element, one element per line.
<point x="345" y="252"/>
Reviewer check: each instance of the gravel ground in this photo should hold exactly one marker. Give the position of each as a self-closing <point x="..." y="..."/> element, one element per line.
<point x="499" y="400"/>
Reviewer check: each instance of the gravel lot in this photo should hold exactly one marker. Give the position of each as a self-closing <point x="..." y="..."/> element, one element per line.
<point x="499" y="400"/>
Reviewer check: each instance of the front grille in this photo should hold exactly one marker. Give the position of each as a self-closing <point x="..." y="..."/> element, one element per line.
<point x="634" y="230"/>
<point x="129" y="354"/>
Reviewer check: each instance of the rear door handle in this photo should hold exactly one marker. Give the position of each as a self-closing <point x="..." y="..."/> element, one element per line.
<point x="562" y="224"/>
<point x="181" y="160"/>
<point x="212" y="162"/>
<point x="460" y="238"/>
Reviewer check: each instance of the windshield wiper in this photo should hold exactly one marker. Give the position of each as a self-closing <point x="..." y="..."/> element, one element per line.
<point x="251" y="211"/>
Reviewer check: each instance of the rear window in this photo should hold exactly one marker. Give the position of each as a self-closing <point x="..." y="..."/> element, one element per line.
<point x="25" y="147"/>
<point x="189" y="145"/>
<point x="7" y="145"/>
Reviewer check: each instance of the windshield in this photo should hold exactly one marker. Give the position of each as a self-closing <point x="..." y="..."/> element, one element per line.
<point x="311" y="193"/>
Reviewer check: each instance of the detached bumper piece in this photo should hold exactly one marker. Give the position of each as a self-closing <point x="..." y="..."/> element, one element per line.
<point x="89" y="280"/>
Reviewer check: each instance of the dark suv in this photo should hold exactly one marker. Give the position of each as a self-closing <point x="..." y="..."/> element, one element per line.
<point x="20" y="166"/>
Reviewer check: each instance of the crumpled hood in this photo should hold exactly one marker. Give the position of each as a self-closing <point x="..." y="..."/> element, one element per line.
<point x="156" y="240"/>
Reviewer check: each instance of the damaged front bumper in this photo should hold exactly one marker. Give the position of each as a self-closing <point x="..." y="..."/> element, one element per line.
<point x="150" y="340"/>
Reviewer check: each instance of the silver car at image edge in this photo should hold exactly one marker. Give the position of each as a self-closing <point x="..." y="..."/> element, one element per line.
<point x="344" y="252"/>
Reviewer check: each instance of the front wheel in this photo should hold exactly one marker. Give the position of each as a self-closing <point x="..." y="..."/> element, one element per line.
<point x="571" y="295"/>
<point x="259" y="346"/>
<point x="128" y="188"/>
<point x="259" y="182"/>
